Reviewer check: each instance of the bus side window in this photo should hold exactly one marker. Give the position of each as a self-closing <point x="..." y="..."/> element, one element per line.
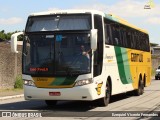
<point x="123" y="36"/>
<point x="135" y="37"/>
<point x="116" y="35"/>
<point x="142" y="42"/>
<point x="145" y="43"/>
<point x="146" y="37"/>
<point x="108" y="36"/>
<point x="138" y="41"/>
<point x="128" y="36"/>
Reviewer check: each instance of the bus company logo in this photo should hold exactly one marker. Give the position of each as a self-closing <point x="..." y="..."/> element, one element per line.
<point x="150" y="4"/>
<point x="109" y="58"/>
<point x="99" y="86"/>
<point x="6" y="114"/>
<point x="136" y="57"/>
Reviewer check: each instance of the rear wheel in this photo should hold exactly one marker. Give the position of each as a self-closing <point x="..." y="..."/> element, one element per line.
<point x="140" y="89"/>
<point x="156" y="78"/>
<point x="105" y="100"/>
<point x="51" y="102"/>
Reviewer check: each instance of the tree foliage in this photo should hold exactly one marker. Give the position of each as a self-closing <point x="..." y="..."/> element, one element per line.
<point x="6" y="36"/>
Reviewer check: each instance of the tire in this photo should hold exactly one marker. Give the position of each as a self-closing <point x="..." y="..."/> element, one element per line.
<point x="51" y="103"/>
<point x="105" y="100"/>
<point x="140" y="89"/>
<point x="156" y="78"/>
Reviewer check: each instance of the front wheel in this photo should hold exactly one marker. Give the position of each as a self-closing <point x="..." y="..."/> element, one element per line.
<point x="51" y="102"/>
<point x="105" y="100"/>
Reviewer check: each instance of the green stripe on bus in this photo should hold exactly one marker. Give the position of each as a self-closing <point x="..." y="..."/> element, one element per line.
<point x="120" y="64"/>
<point x="126" y="65"/>
<point x="63" y="81"/>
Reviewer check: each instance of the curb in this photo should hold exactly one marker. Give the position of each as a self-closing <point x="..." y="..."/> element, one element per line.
<point x="11" y="97"/>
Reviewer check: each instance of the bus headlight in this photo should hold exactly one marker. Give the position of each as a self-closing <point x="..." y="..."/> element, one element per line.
<point x="84" y="82"/>
<point x="29" y="82"/>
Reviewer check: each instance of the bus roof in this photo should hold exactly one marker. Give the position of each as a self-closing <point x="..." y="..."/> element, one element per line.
<point x="73" y="11"/>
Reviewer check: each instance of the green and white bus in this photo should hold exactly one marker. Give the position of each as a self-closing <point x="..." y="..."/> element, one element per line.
<point x="82" y="55"/>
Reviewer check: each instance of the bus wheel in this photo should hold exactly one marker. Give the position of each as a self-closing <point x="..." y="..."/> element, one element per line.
<point x="51" y="102"/>
<point x="140" y="89"/>
<point x="105" y="100"/>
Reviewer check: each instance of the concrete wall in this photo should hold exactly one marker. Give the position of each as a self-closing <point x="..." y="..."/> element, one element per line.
<point x="155" y="63"/>
<point x="10" y="66"/>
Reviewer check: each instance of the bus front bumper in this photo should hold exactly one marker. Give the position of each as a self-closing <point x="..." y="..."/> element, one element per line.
<point x="86" y="93"/>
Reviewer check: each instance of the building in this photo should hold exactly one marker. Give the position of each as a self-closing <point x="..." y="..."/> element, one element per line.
<point x="156" y="50"/>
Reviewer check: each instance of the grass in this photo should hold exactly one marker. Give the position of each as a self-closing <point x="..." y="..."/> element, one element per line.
<point x="19" y="82"/>
<point x="18" y="85"/>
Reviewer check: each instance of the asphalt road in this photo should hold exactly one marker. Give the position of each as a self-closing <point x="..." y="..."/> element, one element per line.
<point x="146" y="106"/>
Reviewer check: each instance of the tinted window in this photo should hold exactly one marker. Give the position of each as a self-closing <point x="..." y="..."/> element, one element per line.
<point x="58" y="22"/>
<point x="124" y="36"/>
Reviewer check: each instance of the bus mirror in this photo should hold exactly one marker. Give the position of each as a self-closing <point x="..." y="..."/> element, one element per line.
<point x="14" y="42"/>
<point x="94" y="39"/>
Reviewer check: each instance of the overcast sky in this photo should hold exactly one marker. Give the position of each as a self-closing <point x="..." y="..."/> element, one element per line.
<point x="14" y="13"/>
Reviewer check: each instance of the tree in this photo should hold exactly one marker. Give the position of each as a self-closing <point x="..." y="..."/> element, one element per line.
<point x="3" y="31"/>
<point x="2" y="35"/>
<point x="7" y="36"/>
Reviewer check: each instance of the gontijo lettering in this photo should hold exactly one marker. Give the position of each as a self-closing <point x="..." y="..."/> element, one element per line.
<point x="136" y="57"/>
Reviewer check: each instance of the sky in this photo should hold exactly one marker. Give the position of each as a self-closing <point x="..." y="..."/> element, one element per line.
<point x="14" y="13"/>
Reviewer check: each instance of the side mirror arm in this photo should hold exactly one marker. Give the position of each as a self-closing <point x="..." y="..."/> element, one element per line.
<point x="14" y="41"/>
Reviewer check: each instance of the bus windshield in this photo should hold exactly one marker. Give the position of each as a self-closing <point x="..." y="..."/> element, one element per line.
<point x="57" y="54"/>
<point x="58" y="22"/>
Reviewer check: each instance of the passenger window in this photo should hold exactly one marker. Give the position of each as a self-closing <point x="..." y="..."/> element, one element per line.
<point x="116" y="35"/>
<point x="123" y="36"/>
<point x="129" y="39"/>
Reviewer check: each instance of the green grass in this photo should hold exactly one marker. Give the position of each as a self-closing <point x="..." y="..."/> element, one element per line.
<point x="19" y="82"/>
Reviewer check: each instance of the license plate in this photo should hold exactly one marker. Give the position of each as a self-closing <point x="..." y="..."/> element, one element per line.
<point x="54" y="93"/>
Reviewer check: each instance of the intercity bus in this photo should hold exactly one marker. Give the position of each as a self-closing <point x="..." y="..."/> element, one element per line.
<point x="82" y="55"/>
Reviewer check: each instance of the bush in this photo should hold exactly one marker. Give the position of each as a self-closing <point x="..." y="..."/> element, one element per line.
<point x="19" y="82"/>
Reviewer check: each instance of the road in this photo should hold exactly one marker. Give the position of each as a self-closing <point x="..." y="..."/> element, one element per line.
<point x="148" y="103"/>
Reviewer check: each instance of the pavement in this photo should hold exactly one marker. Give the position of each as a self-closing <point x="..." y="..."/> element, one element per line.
<point x="10" y="94"/>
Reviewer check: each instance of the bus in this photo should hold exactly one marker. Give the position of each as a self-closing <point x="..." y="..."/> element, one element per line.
<point x="82" y="55"/>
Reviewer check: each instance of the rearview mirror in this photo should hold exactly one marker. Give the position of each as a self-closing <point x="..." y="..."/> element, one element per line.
<point x="94" y="39"/>
<point x="14" y="41"/>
